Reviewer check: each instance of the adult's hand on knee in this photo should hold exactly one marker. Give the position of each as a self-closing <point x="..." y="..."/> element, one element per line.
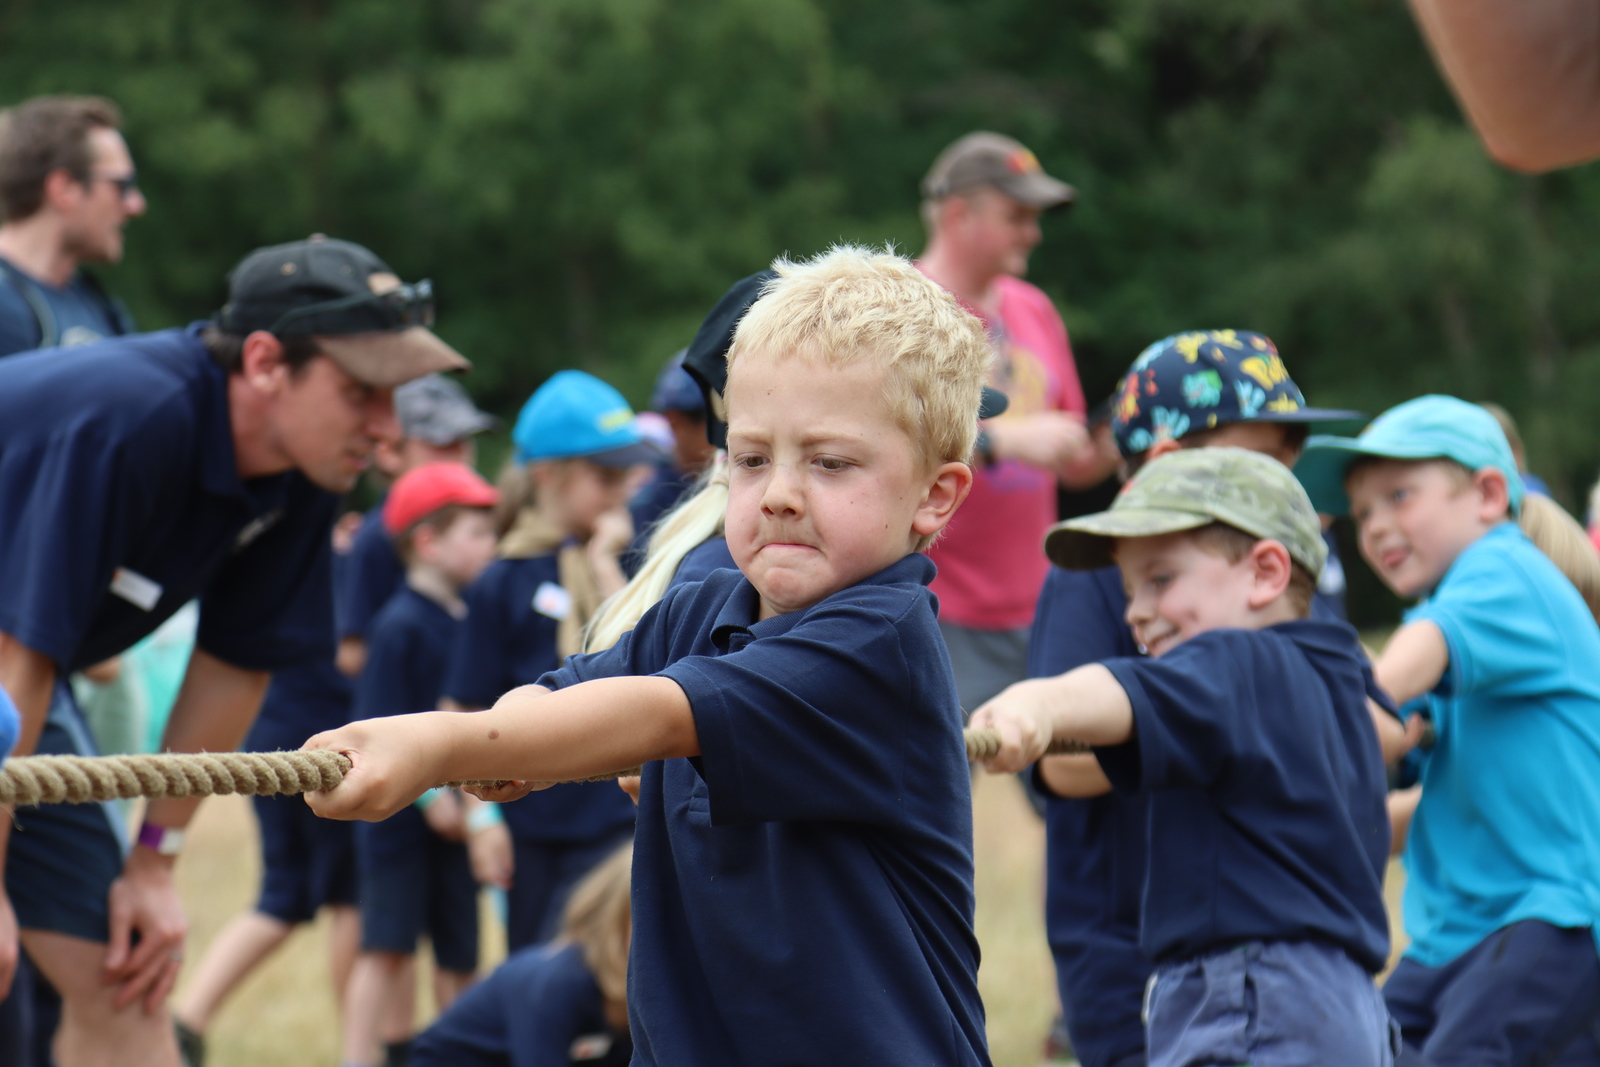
<point x="145" y="901"/>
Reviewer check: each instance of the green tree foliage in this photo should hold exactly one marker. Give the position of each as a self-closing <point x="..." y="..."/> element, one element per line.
<point x="583" y="177"/>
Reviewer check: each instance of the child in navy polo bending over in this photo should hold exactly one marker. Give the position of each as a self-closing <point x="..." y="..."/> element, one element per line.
<point x="1248" y="728"/>
<point x="577" y="439"/>
<point x="802" y="886"/>
<point x="551" y="1005"/>
<point x="414" y="873"/>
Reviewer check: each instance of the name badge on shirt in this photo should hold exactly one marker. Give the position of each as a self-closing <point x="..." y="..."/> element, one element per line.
<point x="136" y="589"/>
<point x="589" y="1047"/>
<point x="552" y="600"/>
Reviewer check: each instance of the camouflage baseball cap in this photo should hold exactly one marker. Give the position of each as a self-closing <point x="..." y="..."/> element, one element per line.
<point x="1192" y="488"/>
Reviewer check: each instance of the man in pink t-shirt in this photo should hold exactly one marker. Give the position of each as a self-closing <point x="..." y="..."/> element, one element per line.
<point x="981" y="203"/>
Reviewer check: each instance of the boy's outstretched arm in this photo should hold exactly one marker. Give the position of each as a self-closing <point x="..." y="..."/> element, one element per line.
<point x="1087" y="704"/>
<point x="531" y="734"/>
<point x="1413" y="661"/>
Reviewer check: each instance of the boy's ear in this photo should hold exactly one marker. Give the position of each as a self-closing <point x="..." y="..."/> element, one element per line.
<point x="1494" y="491"/>
<point x="949" y="486"/>
<point x="1271" y="565"/>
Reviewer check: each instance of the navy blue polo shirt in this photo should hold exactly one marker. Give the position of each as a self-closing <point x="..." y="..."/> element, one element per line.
<point x="507" y="641"/>
<point x="802" y="890"/>
<point x="709" y="555"/>
<point x="80" y="313"/>
<point x="120" y="500"/>
<point x="408" y="647"/>
<point x="540" y="1008"/>
<point x="306" y="698"/>
<point x="373" y="575"/>
<point x="1095" y="847"/>
<point x="1267" y="817"/>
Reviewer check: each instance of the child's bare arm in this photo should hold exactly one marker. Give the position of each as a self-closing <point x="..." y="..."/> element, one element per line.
<point x="1402" y="806"/>
<point x="1077" y="776"/>
<point x="1087" y="704"/>
<point x="1413" y="662"/>
<point x="531" y="734"/>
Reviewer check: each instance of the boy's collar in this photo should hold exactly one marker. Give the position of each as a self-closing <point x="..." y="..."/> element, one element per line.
<point x="433" y="586"/>
<point x="741" y="611"/>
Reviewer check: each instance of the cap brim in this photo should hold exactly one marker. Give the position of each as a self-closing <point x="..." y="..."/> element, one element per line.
<point x="1325" y="461"/>
<point x="1088" y="543"/>
<point x="627" y="456"/>
<point x="1037" y="190"/>
<point x="994" y="403"/>
<point x="1332" y="420"/>
<point x="387" y="358"/>
<point x="453" y="430"/>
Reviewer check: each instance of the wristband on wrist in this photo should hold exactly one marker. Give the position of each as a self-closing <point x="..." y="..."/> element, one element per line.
<point x="483" y="817"/>
<point x="426" y="800"/>
<point x="164" y="840"/>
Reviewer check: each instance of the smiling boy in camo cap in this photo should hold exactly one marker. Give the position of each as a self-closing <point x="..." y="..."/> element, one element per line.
<point x="1248" y="730"/>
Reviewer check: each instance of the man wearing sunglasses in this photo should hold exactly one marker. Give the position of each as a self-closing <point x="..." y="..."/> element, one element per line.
<point x="136" y="474"/>
<point x="67" y="188"/>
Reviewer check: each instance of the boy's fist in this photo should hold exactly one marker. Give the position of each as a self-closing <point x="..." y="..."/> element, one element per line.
<point x="1021" y="716"/>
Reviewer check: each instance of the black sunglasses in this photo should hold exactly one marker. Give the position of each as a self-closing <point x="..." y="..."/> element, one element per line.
<point x="404" y="306"/>
<point x="126" y="186"/>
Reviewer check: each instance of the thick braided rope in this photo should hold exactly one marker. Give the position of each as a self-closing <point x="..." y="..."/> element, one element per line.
<point x="81" y="779"/>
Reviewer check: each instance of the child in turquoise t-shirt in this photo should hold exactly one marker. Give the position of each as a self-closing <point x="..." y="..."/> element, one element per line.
<point x="1503" y="851"/>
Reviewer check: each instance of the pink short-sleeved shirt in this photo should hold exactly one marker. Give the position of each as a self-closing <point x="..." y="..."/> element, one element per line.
<point x="991" y="557"/>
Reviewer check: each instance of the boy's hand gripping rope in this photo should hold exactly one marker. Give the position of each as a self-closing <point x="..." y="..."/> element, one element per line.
<point x="81" y="779"/>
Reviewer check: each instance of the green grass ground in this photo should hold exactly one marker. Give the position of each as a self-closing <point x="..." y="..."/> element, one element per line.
<point x="284" y="1017"/>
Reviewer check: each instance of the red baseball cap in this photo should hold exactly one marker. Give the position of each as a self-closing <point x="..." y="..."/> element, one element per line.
<point x="426" y="489"/>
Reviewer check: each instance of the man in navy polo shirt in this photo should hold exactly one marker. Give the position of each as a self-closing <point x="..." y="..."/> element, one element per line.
<point x="67" y="188"/>
<point x="137" y="474"/>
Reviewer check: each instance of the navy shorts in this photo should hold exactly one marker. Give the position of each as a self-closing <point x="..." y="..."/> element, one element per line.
<point x="306" y="862"/>
<point x="64" y="857"/>
<point x="426" y="889"/>
<point x="1268" y="1004"/>
<point x="1520" y="996"/>
<point x="542" y="878"/>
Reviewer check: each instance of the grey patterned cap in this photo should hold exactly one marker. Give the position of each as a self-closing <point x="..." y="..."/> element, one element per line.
<point x="1188" y="489"/>
<point x="439" y="411"/>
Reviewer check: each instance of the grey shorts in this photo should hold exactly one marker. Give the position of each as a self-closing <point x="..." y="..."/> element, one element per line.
<point x="1268" y="1004"/>
<point x="984" y="661"/>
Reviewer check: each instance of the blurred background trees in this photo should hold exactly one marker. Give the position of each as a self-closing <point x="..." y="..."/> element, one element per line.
<point x="582" y="178"/>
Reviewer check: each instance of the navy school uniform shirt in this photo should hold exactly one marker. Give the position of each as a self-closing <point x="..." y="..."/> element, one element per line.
<point x="1095" y="846"/>
<point x="508" y="640"/>
<point x="667" y="486"/>
<point x="79" y="312"/>
<point x="540" y="1008"/>
<point x="306" y="698"/>
<point x="120" y="500"/>
<point x="1266" y="792"/>
<point x="802" y="890"/>
<point x="373" y="574"/>
<point x="407" y="650"/>
<point x="709" y="555"/>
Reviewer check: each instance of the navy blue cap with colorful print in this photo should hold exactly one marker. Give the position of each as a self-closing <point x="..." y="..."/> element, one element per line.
<point x="1204" y="378"/>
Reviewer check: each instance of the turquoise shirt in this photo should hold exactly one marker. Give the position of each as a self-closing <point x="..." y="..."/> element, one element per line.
<point x="1509" y="824"/>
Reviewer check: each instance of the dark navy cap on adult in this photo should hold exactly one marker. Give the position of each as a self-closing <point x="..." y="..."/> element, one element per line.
<point x="364" y="318"/>
<point x="1202" y="379"/>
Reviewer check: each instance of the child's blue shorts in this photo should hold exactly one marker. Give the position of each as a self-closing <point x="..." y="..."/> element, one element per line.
<point x="1519" y="996"/>
<point x="1268" y="1004"/>
<point x="425" y="889"/>
<point x="306" y="862"/>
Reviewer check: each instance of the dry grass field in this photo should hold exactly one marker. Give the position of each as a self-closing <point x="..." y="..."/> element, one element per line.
<point x="283" y="1016"/>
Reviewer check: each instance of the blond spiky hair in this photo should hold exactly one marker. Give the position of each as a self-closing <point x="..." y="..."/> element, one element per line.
<point x="853" y="305"/>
